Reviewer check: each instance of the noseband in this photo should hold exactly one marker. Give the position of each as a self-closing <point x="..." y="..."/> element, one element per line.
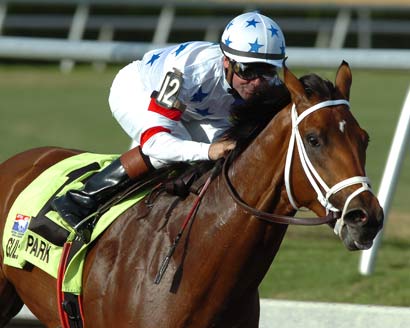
<point x="313" y="176"/>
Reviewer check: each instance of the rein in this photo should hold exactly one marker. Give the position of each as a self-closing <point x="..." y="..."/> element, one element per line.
<point x="271" y="217"/>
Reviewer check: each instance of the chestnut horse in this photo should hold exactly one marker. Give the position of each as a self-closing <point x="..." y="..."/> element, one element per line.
<point x="213" y="276"/>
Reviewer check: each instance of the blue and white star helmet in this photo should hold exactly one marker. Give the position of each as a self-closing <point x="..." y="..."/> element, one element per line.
<point x="253" y="37"/>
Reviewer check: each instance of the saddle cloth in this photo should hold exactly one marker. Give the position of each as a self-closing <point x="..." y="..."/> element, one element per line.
<point x="34" y="234"/>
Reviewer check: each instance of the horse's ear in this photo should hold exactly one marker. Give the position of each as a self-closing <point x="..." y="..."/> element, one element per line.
<point x="295" y="87"/>
<point x="344" y="80"/>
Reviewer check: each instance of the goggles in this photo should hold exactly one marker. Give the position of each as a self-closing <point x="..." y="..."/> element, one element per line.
<point x="252" y="71"/>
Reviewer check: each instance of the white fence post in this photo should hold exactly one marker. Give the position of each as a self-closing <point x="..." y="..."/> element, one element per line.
<point x="389" y="182"/>
<point x="76" y="32"/>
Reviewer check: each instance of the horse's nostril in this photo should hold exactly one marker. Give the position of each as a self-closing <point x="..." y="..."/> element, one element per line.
<point x="356" y="216"/>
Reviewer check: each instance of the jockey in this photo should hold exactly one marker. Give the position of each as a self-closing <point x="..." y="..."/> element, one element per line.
<point x="175" y="104"/>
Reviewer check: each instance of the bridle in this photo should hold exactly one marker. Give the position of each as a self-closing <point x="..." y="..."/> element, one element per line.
<point x="333" y="214"/>
<point x="313" y="176"/>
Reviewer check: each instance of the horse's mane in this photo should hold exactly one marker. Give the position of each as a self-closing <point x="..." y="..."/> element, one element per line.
<point x="251" y="117"/>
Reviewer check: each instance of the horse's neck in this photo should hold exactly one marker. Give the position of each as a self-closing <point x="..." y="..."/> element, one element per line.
<point x="258" y="173"/>
<point x="257" y="177"/>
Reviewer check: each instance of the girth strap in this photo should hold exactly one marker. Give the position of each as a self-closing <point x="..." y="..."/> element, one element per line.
<point x="69" y="305"/>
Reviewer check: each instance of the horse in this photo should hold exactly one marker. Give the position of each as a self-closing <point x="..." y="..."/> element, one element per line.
<point x="312" y="142"/>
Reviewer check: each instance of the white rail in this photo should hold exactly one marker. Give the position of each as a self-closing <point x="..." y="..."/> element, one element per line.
<point x="292" y="314"/>
<point x="90" y="51"/>
<point x="389" y="181"/>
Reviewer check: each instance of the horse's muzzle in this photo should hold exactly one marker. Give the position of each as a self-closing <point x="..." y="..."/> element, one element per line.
<point x="360" y="227"/>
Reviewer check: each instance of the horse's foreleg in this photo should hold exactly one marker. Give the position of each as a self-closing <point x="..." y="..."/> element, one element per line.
<point x="10" y="302"/>
<point x="242" y="314"/>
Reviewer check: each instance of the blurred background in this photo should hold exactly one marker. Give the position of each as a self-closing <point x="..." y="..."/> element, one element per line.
<point x="309" y="23"/>
<point x="59" y="57"/>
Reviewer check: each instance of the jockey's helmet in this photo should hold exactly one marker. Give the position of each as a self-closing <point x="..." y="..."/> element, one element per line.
<point x="253" y="37"/>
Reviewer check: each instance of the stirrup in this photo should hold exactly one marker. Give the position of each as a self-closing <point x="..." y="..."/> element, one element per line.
<point x="84" y="228"/>
<point x="83" y="232"/>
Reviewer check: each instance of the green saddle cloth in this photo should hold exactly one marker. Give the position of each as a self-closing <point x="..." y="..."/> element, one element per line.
<point x="22" y="245"/>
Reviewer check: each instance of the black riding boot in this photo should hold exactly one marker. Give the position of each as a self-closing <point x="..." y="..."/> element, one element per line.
<point x="76" y="205"/>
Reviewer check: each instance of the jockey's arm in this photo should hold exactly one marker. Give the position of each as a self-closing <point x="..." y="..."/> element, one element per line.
<point x="164" y="148"/>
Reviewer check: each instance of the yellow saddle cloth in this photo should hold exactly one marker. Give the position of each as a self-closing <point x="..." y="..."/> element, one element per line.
<point x="21" y="244"/>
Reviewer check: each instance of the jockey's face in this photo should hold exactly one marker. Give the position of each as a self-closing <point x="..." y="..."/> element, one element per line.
<point x="247" y="88"/>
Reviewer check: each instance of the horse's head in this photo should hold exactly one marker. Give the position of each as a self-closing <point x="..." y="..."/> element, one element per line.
<point x="330" y="150"/>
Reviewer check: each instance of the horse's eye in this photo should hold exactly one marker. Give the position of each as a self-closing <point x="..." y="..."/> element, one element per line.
<point x="313" y="140"/>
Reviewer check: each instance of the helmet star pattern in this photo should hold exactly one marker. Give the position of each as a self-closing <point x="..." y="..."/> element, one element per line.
<point x="282" y="48"/>
<point x="255" y="46"/>
<point x="252" y="22"/>
<point x="273" y="30"/>
<point x="227" y="41"/>
<point x="252" y="37"/>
